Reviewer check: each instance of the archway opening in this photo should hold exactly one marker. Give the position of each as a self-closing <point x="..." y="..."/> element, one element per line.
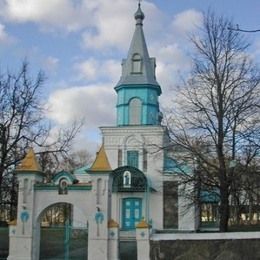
<point x="63" y="233"/>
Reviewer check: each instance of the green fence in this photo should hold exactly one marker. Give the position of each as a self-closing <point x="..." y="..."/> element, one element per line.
<point x="66" y="243"/>
<point x="4" y="242"/>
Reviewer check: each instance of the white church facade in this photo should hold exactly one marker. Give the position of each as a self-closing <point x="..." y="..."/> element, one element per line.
<point x="130" y="190"/>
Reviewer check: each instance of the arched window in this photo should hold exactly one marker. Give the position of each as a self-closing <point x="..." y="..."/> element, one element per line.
<point x="136" y="63"/>
<point x="127" y="179"/>
<point x="135" y="110"/>
<point x="25" y="190"/>
<point x="99" y="183"/>
<point x="63" y="186"/>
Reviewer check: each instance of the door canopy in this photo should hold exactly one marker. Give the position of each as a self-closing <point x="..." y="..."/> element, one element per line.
<point x="128" y="179"/>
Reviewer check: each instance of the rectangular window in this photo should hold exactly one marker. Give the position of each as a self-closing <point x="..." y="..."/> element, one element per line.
<point x="132" y="158"/>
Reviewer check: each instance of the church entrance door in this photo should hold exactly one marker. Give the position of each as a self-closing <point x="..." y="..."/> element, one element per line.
<point x="132" y="213"/>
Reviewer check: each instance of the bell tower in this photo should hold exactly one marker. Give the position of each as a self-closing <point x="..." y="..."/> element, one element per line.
<point x="137" y="89"/>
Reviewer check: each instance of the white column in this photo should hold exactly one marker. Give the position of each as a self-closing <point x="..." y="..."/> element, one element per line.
<point x="113" y="240"/>
<point x="23" y="244"/>
<point x="143" y="241"/>
<point x="98" y="229"/>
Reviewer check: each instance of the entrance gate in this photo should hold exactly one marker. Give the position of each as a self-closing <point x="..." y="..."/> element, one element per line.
<point x="64" y="243"/>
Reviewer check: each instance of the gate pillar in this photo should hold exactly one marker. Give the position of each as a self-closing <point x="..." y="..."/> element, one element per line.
<point x="143" y="240"/>
<point x="24" y="236"/>
<point x="113" y="240"/>
<point x="100" y="208"/>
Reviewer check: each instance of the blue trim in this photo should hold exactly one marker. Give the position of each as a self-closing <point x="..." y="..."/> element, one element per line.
<point x="48" y="187"/>
<point x="134" y="86"/>
<point x="143" y="103"/>
<point x="65" y="174"/>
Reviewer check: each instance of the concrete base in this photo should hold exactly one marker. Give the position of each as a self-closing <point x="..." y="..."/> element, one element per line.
<point x="97" y="249"/>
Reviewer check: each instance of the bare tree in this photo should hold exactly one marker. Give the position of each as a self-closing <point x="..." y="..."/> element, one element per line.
<point x="216" y="116"/>
<point x="243" y="30"/>
<point x="76" y="159"/>
<point x="23" y="124"/>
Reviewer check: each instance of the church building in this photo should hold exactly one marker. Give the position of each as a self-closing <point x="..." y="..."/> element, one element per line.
<point x="144" y="184"/>
<point x="132" y="183"/>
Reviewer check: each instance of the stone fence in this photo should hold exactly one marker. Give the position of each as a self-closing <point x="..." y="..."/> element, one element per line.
<point x="205" y="246"/>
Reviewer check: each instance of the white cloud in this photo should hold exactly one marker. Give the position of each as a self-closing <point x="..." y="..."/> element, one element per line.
<point x="4" y="37"/>
<point x="94" y="103"/>
<point x="172" y="62"/>
<point x="105" y="24"/>
<point x="187" y="21"/>
<point x="93" y="69"/>
<point x="59" y="13"/>
<point x="114" y="27"/>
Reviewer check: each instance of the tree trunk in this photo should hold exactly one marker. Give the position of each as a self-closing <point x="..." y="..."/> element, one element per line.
<point x="224" y="209"/>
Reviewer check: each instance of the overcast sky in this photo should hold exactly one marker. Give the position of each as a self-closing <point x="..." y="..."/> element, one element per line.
<point x="80" y="44"/>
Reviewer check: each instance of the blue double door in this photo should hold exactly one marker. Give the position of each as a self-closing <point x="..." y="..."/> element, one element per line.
<point x="131" y="213"/>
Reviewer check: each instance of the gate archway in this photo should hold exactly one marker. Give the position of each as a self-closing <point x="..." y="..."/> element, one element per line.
<point x="62" y="236"/>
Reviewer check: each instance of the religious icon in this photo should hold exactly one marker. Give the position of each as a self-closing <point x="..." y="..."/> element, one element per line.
<point x="127" y="179"/>
<point x="63" y="187"/>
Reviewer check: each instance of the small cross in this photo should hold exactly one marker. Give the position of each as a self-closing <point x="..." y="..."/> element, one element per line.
<point x="139" y="2"/>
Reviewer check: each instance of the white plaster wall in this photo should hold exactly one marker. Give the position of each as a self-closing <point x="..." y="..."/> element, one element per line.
<point x="98" y="233"/>
<point x="78" y="198"/>
<point x="83" y="177"/>
<point x="149" y="137"/>
<point x="113" y="243"/>
<point x="143" y="243"/>
<point x="152" y="138"/>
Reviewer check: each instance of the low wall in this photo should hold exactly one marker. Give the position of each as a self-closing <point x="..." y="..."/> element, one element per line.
<point x="206" y="246"/>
